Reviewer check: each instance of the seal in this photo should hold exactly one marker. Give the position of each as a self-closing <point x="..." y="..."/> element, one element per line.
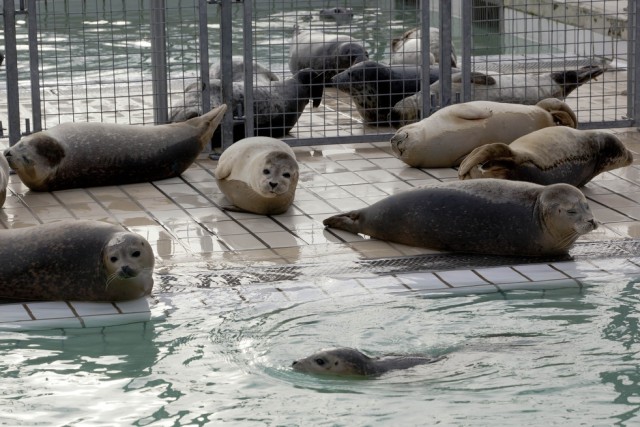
<point x="261" y="74"/>
<point x="325" y="53"/>
<point x="4" y="179"/>
<point x="277" y="105"/>
<point x="347" y="361"/>
<point x="341" y="15"/>
<point x="548" y="156"/>
<point x="258" y="175"/>
<point x="407" y="49"/>
<point x="447" y="136"/>
<point x="486" y="216"/>
<point x="77" y="155"/>
<point x="78" y="260"/>
<point x="528" y="88"/>
<point x="375" y="87"/>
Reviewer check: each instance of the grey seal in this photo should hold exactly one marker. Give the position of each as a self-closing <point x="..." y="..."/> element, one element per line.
<point x="549" y="156"/>
<point x="77" y="155"/>
<point x="258" y="175"/>
<point x="346" y="361"/>
<point x="486" y="216"/>
<point x="325" y="53"/>
<point x="444" y="138"/>
<point x="74" y="260"/>
<point x="376" y="87"/>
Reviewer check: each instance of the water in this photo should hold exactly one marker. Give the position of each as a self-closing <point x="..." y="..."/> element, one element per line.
<point x="568" y="357"/>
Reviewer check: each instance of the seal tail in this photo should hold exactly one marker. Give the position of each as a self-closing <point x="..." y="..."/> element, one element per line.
<point x="494" y="158"/>
<point x="344" y="221"/>
<point x="208" y="123"/>
<point x="562" y="114"/>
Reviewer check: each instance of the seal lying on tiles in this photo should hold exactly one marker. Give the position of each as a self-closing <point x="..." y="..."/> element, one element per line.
<point x="77" y="155"/>
<point x="445" y="137"/>
<point x="549" y="156"/>
<point x="351" y="362"/>
<point x="376" y="87"/>
<point x="74" y="260"/>
<point x="4" y="179"/>
<point x="487" y="216"/>
<point x="258" y="175"/>
<point x="327" y="54"/>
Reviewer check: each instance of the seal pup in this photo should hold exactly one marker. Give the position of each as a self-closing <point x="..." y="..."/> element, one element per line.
<point x="528" y="88"/>
<point x="258" y="175"/>
<point x="77" y="155"/>
<point x="351" y="362"/>
<point x="375" y="87"/>
<point x="486" y="216"/>
<point x="325" y="53"/>
<point x="445" y="137"/>
<point x="277" y="105"/>
<point x="407" y="49"/>
<point x="548" y="156"/>
<point x="4" y="179"/>
<point x="78" y="260"/>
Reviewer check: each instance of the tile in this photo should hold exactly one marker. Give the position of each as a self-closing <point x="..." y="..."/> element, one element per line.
<point x="422" y="281"/>
<point x="261" y="225"/>
<point x="50" y="310"/>
<point x="280" y="239"/>
<point x="578" y="269"/>
<point x="457" y="278"/>
<point x="499" y="275"/>
<point x="539" y="272"/>
<point x="617" y="266"/>
<point x="345" y="178"/>
<point x="242" y="242"/>
<point x="542" y="285"/>
<point x="84" y="308"/>
<point x="115" y="320"/>
<point x="377" y="176"/>
<point x="383" y="283"/>
<point x="312" y="207"/>
<point x="13" y="313"/>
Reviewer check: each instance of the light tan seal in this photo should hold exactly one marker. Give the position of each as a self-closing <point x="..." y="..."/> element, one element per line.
<point x="549" y="156"/>
<point x="78" y="155"/>
<point x="487" y="216"/>
<point x="4" y="179"/>
<point x="344" y="361"/>
<point x="74" y="260"/>
<point x="444" y="138"/>
<point x="258" y="175"/>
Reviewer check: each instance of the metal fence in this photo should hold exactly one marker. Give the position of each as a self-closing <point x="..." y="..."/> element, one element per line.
<point x="150" y="61"/>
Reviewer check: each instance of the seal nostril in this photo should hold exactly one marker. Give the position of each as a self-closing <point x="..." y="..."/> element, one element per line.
<point x="273" y="184"/>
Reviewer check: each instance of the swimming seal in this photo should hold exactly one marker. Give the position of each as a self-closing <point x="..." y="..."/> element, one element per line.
<point x="549" y="156"/>
<point x="528" y="88"/>
<point x="375" y="87"/>
<point x="351" y="362"/>
<point x="327" y="54"/>
<point x="277" y="105"/>
<point x="74" y="260"/>
<point x="341" y="15"/>
<point x="445" y="137"/>
<point x="4" y="179"/>
<point x="258" y="175"/>
<point x="486" y="216"/>
<point x="407" y="49"/>
<point x="77" y="155"/>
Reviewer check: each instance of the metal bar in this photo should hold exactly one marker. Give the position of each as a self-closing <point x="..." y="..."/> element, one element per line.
<point x="425" y="42"/>
<point x="350" y="139"/>
<point x="204" y="55"/>
<point x="226" y="54"/>
<point x="248" y="67"/>
<point x="159" y="62"/>
<point x="445" y="53"/>
<point x="34" y="65"/>
<point x="11" y="65"/>
<point x="633" y="82"/>
<point x="467" y="40"/>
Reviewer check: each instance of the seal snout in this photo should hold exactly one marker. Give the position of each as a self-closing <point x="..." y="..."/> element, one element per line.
<point x="127" y="272"/>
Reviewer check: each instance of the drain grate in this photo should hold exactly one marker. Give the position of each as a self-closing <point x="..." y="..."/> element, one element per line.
<point x="386" y="266"/>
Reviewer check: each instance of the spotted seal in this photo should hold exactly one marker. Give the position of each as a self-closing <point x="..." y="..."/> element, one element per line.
<point x="445" y="137"/>
<point x="487" y="216"/>
<point x="346" y="361"/>
<point x="74" y="260"/>
<point x="258" y="175"/>
<point x="76" y="155"/>
<point x="325" y="53"/>
<point x="549" y="156"/>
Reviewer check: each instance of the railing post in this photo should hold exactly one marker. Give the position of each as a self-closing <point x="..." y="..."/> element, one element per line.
<point x="425" y="18"/>
<point x="247" y="23"/>
<point x="464" y="61"/>
<point x="633" y="83"/>
<point x="445" y="53"/>
<point x="11" y="65"/>
<point x="204" y="55"/>
<point x="159" y="61"/>
<point x="226" y="53"/>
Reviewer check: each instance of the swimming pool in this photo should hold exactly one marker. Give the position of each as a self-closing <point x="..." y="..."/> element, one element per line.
<point x="223" y="354"/>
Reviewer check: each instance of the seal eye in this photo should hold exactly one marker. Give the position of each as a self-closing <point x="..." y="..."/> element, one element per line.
<point x="136" y="254"/>
<point x="286" y="175"/>
<point x="114" y="258"/>
<point x="572" y="211"/>
<point x="265" y="171"/>
<point x="320" y="362"/>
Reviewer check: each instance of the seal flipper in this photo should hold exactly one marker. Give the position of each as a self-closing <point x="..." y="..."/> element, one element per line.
<point x="345" y="221"/>
<point x="496" y="156"/>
